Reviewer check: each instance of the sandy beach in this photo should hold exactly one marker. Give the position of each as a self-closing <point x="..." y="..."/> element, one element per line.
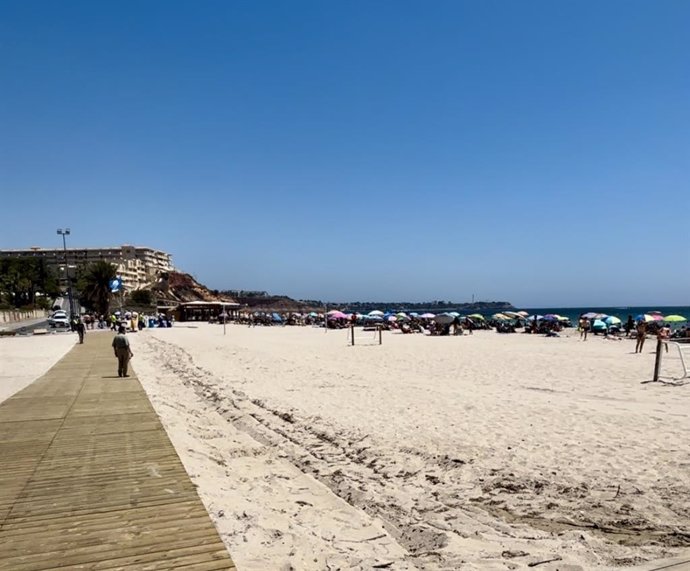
<point x="25" y="358"/>
<point x="482" y="452"/>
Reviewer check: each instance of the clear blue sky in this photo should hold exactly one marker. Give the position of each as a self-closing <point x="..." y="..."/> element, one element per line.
<point x="537" y="152"/>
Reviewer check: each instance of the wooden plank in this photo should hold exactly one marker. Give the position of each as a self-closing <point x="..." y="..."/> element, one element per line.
<point x="90" y="480"/>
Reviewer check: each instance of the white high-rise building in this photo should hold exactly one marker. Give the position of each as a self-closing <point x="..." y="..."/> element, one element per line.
<point x="138" y="265"/>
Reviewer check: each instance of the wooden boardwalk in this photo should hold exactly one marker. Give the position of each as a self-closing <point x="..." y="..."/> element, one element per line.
<point x="89" y="479"/>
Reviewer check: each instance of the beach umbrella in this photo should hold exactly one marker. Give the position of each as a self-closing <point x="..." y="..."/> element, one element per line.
<point x="454" y="313"/>
<point x="551" y="317"/>
<point x="336" y="315"/>
<point x="657" y="316"/>
<point x="392" y="318"/>
<point x="674" y="318"/>
<point x="402" y="317"/>
<point x="413" y="314"/>
<point x="373" y="318"/>
<point x="444" y="319"/>
<point x="533" y="317"/>
<point x="644" y="317"/>
<point x="500" y="317"/>
<point x="522" y="313"/>
<point x="427" y="316"/>
<point x="376" y="312"/>
<point x="313" y="314"/>
<point x="598" y="324"/>
<point x="589" y="315"/>
<point x="513" y="314"/>
<point x="562" y="318"/>
<point x="476" y="316"/>
<point x="612" y="320"/>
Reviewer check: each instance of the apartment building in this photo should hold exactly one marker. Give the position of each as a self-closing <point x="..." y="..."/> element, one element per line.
<point x="138" y="265"/>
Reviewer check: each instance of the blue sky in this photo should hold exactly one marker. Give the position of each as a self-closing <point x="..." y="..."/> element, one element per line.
<point x="536" y="152"/>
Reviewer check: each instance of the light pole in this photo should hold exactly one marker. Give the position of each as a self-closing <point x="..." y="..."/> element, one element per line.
<point x="64" y="233"/>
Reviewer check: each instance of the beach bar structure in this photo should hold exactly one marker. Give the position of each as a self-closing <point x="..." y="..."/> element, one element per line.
<point x="207" y="310"/>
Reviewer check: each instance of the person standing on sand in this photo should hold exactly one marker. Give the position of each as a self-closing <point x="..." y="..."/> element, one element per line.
<point x="629" y="325"/>
<point x="584" y="328"/>
<point x="641" y="336"/>
<point x="664" y="335"/>
<point x="122" y="352"/>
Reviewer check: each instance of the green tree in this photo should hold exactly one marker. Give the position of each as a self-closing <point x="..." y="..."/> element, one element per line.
<point x="94" y="286"/>
<point x="24" y="282"/>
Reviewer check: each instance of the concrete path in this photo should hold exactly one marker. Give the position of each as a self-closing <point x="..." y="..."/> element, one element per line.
<point x="89" y="479"/>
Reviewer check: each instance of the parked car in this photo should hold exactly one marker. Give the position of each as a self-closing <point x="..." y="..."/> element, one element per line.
<point x="59" y="319"/>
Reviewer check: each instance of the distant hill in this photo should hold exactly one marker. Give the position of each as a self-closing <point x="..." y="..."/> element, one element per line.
<point x="178" y="287"/>
<point x="262" y="301"/>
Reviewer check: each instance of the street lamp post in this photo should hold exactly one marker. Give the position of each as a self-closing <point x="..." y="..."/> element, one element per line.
<point x="64" y="233"/>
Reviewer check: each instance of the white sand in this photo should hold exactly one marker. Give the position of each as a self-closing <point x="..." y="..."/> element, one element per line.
<point x="23" y="359"/>
<point x="483" y="452"/>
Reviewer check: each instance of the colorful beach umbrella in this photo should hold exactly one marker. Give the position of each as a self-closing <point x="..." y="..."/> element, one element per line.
<point x="644" y="317"/>
<point x="376" y="312"/>
<point x="427" y="315"/>
<point x="598" y="324"/>
<point x="674" y="319"/>
<point x="513" y="314"/>
<point x="500" y="317"/>
<point x="336" y="315"/>
<point x="522" y="313"/>
<point x="594" y="315"/>
<point x="612" y="320"/>
<point x="476" y="316"/>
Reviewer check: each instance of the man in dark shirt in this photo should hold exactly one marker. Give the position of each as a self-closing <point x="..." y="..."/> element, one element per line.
<point x="81" y="330"/>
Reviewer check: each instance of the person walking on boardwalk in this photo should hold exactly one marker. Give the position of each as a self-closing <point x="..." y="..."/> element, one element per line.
<point x="81" y="330"/>
<point x="122" y="352"/>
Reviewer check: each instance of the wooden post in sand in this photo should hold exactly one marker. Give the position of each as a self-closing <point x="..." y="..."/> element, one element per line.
<point x="352" y="332"/>
<point x="657" y="360"/>
<point x="380" y="334"/>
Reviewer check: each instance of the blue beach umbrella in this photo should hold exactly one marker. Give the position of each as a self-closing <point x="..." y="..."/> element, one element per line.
<point x="373" y="318"/>
<point x="599" y="325"/>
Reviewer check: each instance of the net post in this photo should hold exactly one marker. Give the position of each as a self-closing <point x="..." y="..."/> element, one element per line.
<point x="657" y="360"/>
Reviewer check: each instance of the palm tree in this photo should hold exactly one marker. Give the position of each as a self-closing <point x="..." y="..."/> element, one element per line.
<point x="94" y="286"/>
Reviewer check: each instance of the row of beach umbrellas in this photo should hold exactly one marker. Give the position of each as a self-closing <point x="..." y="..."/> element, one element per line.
<point x="600" y="320"/>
